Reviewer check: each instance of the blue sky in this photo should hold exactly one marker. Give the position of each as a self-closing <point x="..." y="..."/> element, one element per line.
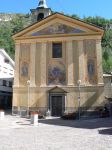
<point x="82" y="8"/>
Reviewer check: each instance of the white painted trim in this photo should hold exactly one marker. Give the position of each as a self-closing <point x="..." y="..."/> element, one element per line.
<point x="2" y="51"/>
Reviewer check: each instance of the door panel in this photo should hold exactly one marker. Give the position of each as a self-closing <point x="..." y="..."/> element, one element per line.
<point x="56" y="105"/>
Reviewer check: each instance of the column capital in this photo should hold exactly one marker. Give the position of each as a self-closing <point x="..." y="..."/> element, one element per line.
<point x="98" y="40"/>
<point x="33" y="42"/>
<point x="80" y="40"/>
<point x="17" y="43"/>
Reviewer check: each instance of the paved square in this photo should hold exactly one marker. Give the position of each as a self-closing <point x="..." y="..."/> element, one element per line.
<point x="55" y="134"/>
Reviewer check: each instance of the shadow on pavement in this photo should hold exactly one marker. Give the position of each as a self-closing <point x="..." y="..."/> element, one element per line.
<point x="87" y="124"/>
<point x="84" y="124"/>
<point x="106" y="131"/>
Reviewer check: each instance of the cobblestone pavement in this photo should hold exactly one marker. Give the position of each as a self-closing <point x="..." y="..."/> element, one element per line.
<point x="55" y="134"/>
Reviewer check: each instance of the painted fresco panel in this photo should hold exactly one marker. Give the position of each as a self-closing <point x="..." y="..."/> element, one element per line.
<point x="24" y="72"/>
<point x="90" y="59"/>
<point x="24" y="69"/>
<point x="91" y="67"/>
<point x="58" y="29"/>
<point x="56" y="73"/>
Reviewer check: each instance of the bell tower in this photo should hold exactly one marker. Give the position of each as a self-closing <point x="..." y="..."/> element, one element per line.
<point x="41" y="12"/>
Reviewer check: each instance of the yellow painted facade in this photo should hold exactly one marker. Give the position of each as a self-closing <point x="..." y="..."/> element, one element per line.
<point x="81" y="60"/>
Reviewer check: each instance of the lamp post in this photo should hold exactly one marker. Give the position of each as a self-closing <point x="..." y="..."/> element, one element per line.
<point x="28" y="85"/>
<point x="79" y="82"/>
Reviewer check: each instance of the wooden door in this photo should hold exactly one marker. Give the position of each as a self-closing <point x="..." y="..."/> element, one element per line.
<point x="56" y="105"/>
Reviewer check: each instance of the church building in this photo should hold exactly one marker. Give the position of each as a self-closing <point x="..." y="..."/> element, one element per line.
<point x="58" y="63"/>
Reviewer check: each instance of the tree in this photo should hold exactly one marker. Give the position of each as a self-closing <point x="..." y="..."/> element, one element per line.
<point x="106" y="41"/>
<point x="107" y="51"/>
<point x="98" y="21"/>
<point x="7" y="29"/>
<point x="20" y="21"/>
<point x="5" y="38"/>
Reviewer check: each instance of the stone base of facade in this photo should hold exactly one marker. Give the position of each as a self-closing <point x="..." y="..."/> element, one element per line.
<point x="40" y="99"/>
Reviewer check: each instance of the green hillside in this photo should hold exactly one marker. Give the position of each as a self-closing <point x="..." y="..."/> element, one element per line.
<point x="13" y="23"/>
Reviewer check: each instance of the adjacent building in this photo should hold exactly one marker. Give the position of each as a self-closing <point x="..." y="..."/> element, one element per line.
<point x="58" y="62"/>
<point x="6" y="80"/>
<point x="107" y="85"/>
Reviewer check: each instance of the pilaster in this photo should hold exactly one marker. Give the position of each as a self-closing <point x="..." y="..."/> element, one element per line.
<point x="81" y="62"/>
<point x="99" y="62"/>
<point x="43" y="63"/>
<point x="33" y="64"/>
<point x="17" y="65"/>
<point x="69" y="54"/>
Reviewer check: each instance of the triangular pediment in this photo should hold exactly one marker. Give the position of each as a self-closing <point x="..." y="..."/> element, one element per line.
<point x="57" y="24"/>
<point x="58" y="28"/>
<point x="57" y="90"/>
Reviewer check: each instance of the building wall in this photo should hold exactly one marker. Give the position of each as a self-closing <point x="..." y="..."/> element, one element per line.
<point x="6" y="80"/>
<point x="81" y="60"/>
<point x="89" y="97"/>
<point x="36" y="58"/>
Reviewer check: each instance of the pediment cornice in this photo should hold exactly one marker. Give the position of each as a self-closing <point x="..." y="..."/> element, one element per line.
<point x="69" y="23"/>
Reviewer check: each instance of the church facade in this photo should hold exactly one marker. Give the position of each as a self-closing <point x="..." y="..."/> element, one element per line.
<point x="58" y="62"/>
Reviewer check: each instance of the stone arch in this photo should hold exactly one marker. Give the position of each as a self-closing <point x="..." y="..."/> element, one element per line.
<point x="40" y="16"/>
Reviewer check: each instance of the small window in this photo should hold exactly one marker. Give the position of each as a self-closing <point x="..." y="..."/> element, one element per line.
<point x="4" y="83"/>
<point x="57" y="50"/>
<point x="6" y="60"/>
<point x="10" y="84"/>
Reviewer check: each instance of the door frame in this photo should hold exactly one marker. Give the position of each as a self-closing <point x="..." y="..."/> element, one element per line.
<point x="63" y="101"/>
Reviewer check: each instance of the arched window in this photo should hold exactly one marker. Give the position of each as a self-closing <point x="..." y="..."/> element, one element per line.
<point x="40" y="17"/>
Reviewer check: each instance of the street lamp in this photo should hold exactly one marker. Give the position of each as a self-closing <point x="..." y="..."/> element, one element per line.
<point x="79" y="82"/>
<point x="28" y="85"/>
